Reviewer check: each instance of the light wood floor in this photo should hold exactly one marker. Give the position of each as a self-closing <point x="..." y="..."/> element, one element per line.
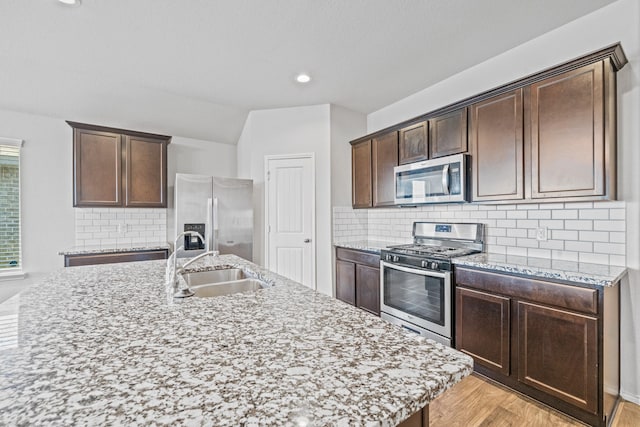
<point x="477" y="402"/>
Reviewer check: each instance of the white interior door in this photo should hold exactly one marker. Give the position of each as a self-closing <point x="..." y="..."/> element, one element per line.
<point x="290" y="219"/>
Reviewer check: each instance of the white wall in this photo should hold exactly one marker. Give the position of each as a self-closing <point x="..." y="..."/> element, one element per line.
<point x="45" y="171"/>
<point x="291" y="131"/>
<point x="619" y="21"/>
<point x="346" y="125"/>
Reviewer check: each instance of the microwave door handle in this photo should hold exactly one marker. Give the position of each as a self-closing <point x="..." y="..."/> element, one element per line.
<point x="445" y="179"/>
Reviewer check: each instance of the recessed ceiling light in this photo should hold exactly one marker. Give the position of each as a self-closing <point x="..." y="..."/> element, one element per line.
<point x="303" y="78"/>
<point x="71" y="2"/>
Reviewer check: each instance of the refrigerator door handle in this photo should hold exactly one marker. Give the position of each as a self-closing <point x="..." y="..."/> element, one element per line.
<point x="208" y="244"/>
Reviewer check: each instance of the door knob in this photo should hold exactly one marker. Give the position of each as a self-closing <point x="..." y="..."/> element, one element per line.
<point x="307" y="240"/>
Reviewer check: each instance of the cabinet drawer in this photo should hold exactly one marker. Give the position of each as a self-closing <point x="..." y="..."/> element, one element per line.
<point x="565" y="296"/>
<point x="358" y="257"/>
<point x="94" y="259"/>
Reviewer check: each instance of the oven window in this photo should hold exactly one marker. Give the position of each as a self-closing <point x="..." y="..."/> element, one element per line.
<point x="415" y="294"/>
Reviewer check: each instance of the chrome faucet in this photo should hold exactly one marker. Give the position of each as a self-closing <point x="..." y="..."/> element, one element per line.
<point x="172" y="273"/>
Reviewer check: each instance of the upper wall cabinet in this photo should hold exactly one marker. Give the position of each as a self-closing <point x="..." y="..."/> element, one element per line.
<point x="372" y="171"/>
<point x="448" y="134"/>
<point x="118" y="168"/>
<point x="570" y="147"/>
<point x="497" y="150"/>
<point x="413" y="144"/>
<point x="361" y="174"/>
<point x="384" y="158"/>
<point x="550" y="136"/>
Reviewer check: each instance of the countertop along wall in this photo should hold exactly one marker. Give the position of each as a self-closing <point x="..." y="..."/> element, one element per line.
<point x="619" y="21"/>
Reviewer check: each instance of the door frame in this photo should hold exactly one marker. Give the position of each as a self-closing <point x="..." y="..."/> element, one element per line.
<point x="267" y="158"/>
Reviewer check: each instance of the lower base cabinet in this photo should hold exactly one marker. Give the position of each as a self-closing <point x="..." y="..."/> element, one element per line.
<point x="115" y="257"/>
<point x="358" y="279"/>
<point x="555" y="342"/>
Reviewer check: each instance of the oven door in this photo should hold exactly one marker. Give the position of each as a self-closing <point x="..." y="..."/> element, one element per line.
<point x="418" y="296"/>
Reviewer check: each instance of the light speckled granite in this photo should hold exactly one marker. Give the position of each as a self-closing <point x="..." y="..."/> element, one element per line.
<point x="373" y="246"/>
<point x="110" y="249"/>
<point x="579" y="273"/>
<point x="103" y="345"/>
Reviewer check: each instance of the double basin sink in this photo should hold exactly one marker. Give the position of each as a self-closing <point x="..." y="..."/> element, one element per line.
<point x="221" y="282"/>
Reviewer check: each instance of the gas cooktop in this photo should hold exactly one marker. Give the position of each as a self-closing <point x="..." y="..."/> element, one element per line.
<point x="431" y="251"/>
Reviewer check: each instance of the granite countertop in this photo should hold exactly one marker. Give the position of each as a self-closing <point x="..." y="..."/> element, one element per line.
<point x="373" y="246"/>
<point x="105" y="345"/>
<point x="568" y="271"/>
<point x="110" y="249"/>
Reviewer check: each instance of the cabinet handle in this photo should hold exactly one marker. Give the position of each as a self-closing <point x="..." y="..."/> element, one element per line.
<point x="307" y="240"/>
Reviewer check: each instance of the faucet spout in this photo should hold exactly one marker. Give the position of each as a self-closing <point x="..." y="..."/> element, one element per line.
<point x="172" y="282"/>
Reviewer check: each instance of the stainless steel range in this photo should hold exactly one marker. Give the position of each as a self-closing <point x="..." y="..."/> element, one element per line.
<point x="415" y="279"/>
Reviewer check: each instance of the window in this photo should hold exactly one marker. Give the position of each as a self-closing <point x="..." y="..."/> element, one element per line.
<point x="10" y="242"/>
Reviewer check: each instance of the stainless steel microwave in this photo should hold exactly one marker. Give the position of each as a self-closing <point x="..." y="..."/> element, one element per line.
<point x="441" y="180"/>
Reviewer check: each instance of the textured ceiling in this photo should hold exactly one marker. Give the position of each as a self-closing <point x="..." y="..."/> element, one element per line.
<point x="196" y="67"/>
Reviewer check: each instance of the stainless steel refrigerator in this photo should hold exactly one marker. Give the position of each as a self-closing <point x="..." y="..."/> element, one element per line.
<point x="221" y="209"/>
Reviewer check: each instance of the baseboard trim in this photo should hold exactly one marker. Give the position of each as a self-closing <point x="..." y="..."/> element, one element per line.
<point x="630" y="397"/>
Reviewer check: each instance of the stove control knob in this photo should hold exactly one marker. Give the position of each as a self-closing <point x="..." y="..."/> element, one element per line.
<point x="387" y="257"/>
<point x="395" y="258"/>
<point x="424" y="264"/>
<point x="434" y="265"/>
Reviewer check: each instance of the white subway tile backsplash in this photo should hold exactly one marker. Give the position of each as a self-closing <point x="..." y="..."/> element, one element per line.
<point x="564" y="235"/>
<point x="516" y="214"/>
<point x="594" y="236"/>
<point x="609" y="225"/>
<point x="609" y="248"/>
<point x="578" y="225"/>
<point x="564" y="214"/>
<point x="576" y="231"/>
<point x="120" y="226"/>
<point x="578" y="246"/>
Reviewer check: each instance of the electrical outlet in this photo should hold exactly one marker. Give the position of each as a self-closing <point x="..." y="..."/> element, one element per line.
<point x="541" y="233"/>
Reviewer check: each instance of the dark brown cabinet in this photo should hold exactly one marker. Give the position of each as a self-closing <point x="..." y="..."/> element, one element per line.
<point x="346" y="281"/>
<point x="97" y="168"/>
<point x="384" y="159"/>
<point x="483" y="325"/>
<point x="361" y="175"/>
<point x="358" y="279"/>
<point x="118" y="168"/>
<point x="567" y="133"/>
<point x="542" y="338"/>
<point x="497" y="148"/>
<point x="558" y="354"/>
<point x="146" y="172"/>
<point x="448" y="134"/>
<point x="372" y="163"/>
<point x="114" y="257"/>
<point x="413" y="143"/>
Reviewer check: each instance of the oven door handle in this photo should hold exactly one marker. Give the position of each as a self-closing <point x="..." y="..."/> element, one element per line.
<point x="416" y="270"/>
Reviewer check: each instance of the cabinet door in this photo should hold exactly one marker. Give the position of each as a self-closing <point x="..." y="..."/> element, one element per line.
<point x="385" y="158"/>
<point x="497" y="148"/>
<point x="483" y="328"/>
<point x="558" y="354"/>
<point x="361" y="174"/>
<point x="413" y="145"/>
<point x="448" y="134"/>
<point x="567" y="136"/>
<point x="346" y="281"/>
<point x="146" y="172"/>
<point x="97" y="160"/>
<point x="368" y="288"/>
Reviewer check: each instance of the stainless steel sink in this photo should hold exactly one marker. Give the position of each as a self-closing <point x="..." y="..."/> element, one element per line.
<point x="227" y="288"/>
<point x="215" y="276"/>
<point x="221" y="282"/>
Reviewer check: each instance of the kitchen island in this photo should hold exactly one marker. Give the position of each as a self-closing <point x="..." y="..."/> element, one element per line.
<point x="104" y="345"/>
